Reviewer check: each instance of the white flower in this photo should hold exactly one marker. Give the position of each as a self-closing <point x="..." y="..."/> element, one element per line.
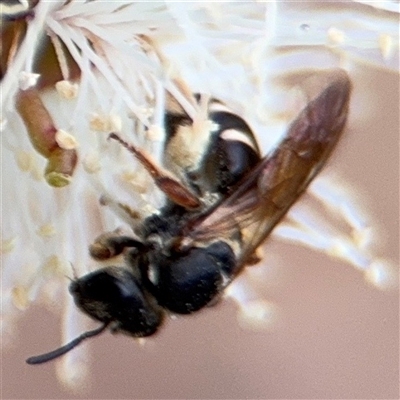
<point x="127" y="55"/>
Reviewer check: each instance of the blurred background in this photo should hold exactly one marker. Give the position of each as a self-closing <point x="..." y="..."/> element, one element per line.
<point x="337" y="336"/>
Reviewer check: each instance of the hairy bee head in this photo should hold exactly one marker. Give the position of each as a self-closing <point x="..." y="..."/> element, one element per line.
<point x="113" y="295"/>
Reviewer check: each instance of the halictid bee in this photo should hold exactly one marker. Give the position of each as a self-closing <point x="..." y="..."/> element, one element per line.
<point x="223" y="200"/>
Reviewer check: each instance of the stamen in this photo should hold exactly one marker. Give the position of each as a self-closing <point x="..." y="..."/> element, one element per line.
<point x="20" y="297"/>
<point x="24" y="160"/>
<point x="15" y="43"/>
<point x="8" y="245"/>
<point x="47" y="230"/>
<point x="67" y="89"/>
<point x="91" y="162"/>
<point x="62" y="61"/>
<point x="386" y="45"/>
<point x="105" y="123"/>
<point x="65" y="140"/>
<point x="253" y="314"/>
<point x="335" y="36"/>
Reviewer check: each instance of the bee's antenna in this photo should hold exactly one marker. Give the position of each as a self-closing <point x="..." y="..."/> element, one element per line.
<point x="51" y="355"/>
<point x="170" y="186"/>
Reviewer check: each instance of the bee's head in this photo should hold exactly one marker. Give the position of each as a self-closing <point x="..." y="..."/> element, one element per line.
<point x="113" y="295"/>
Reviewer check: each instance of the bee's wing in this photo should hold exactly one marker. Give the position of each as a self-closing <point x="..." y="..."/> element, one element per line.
<point x="267" y="193"/>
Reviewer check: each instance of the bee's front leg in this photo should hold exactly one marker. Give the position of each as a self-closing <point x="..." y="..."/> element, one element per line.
<point x="112" y="244"/>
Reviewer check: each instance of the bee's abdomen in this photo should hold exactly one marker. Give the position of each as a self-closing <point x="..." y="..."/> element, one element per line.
<point x="187" y="281"/>
<point x="232" y="154"/>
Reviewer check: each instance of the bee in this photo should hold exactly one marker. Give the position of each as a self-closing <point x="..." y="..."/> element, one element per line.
<point x="220" y="206"/>
<point x="14" y="10"/>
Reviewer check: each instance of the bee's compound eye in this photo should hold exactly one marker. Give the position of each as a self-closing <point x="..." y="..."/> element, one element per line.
<point x="113" y="294"/>
<point x="189" y="281"/>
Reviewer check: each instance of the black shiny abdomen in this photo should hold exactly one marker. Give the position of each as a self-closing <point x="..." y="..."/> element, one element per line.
<point x="228" y="160"/>
<point x="228" y="163"/>
<point x="189" y="280"/>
